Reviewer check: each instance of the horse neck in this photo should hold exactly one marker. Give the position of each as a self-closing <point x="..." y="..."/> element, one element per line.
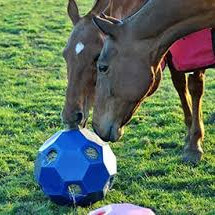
<point x="166" y="21"/>
<point x="122" y="8"/>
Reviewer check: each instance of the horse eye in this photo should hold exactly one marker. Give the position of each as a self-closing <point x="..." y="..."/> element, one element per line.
<point x="102" y="68"/>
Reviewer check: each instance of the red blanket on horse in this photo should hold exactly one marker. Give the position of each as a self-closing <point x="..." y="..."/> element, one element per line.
<point x="194" y="51"/>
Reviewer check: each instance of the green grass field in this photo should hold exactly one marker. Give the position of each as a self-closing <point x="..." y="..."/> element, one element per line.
<point x="32" y="91"/>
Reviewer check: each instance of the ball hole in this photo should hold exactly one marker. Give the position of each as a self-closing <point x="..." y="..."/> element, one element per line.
<point x="91" y="153"/>
<point x="74" y="189"/>
<point x="52" y="155"/>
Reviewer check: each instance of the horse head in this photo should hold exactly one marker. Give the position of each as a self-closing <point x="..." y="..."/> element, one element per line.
<point x="81" y="53"/>
<point x="125" y="77"/>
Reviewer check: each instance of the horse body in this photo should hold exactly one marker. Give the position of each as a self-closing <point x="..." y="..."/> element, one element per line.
<point x="81" y="53"/>
<point x="129" y="66"/>
<point x="120" y="9"/>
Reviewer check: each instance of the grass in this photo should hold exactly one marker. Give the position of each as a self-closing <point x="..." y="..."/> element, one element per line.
<point x="32" y="91"/>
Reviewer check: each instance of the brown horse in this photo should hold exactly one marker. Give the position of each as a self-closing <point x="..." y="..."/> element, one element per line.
<point x="129" y="66"/>
<point x="81" y="53"/>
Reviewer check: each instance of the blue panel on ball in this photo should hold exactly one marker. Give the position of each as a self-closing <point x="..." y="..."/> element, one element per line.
<point x="72" y="165"/>
<point x="96" y="177"/>
<point x="52" y="183"/>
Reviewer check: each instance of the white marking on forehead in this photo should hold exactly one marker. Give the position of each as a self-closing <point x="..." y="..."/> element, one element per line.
<point x="79" y="47"/>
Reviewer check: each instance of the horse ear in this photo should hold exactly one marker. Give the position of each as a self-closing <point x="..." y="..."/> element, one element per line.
<point x="105" y="26"/>
<point x="99" y="7"/>
<point x="73" y="11"/>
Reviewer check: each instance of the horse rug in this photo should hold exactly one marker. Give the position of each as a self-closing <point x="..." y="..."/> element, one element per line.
<point x="194" y="51"/>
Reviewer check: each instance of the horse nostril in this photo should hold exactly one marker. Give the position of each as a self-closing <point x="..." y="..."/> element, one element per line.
<point x="79" y="116"/>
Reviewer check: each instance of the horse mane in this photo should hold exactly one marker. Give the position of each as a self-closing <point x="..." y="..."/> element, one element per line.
<point x="128" y="18"/>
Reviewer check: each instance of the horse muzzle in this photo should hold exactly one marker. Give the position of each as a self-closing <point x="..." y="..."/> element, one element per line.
<point x="108" y="133"/>
<point x="74" y="120"/>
